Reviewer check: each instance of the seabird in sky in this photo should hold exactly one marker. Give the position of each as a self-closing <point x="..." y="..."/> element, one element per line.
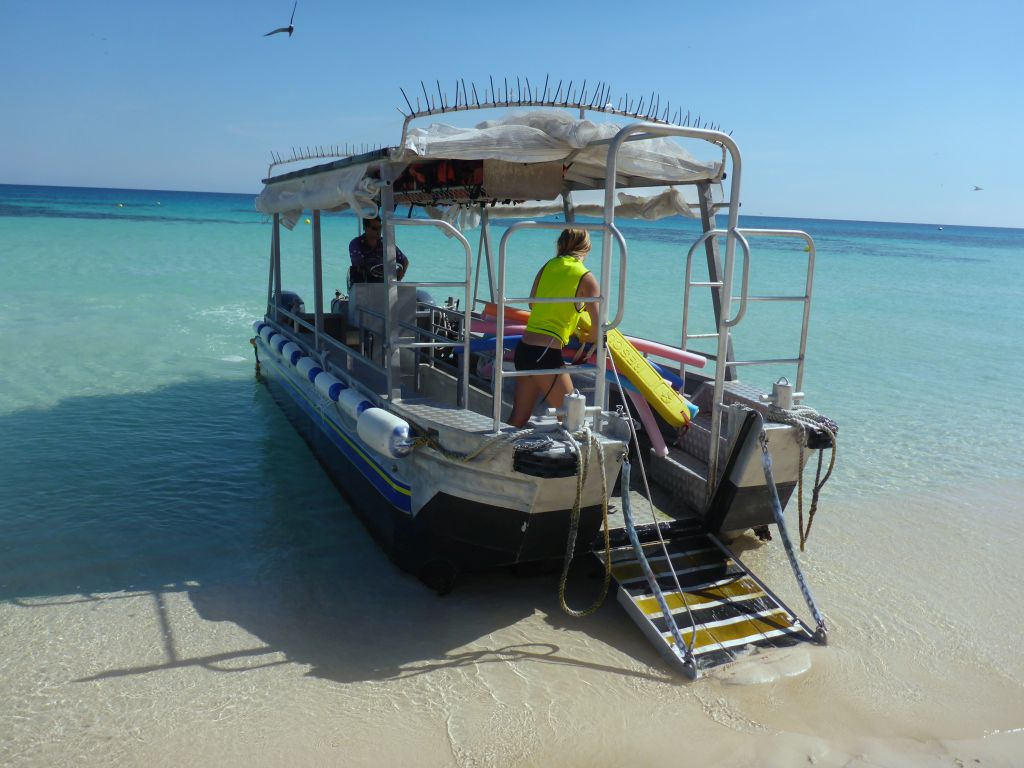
<point x="977" y="188"/>
<point x="291" y="26"/>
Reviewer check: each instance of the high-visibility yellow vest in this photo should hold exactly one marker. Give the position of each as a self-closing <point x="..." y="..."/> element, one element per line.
<point x="560" y="277"/>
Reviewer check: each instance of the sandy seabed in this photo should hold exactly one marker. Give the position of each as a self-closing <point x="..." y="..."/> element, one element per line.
<point x="369" y="668"/>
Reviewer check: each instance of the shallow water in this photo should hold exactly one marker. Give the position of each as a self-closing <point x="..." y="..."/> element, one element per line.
<point x="181" y="583"/>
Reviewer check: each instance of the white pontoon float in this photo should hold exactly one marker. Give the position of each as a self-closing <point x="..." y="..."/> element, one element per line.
<point x="403" y="399"/>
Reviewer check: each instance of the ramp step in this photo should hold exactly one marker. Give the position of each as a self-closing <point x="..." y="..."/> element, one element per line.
<point x="700" y="596"/>
<point x="738" y="634"/>
<point x="681" y="563"/>
<point x="680" y="545"/>
<point x="722" y="613"/>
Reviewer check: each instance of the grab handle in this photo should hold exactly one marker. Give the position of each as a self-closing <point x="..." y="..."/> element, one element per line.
<point x="745" y="284"/>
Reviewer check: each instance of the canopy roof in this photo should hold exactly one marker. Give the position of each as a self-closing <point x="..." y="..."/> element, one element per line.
<point x="536" y="155"/>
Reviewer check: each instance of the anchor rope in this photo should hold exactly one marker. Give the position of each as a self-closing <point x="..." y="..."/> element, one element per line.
<point x="780" y="522"/>
<point x="807" y="420"/>
<point x="256" y="352"/>
<point x="582" y="469"/>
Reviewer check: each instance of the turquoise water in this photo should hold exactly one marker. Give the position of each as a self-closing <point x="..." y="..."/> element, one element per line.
<point x="127" y="316"/>
<point x="139" y="453"/>
<point x="127" y="365"/>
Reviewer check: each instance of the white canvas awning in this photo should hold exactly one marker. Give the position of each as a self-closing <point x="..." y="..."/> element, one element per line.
<point x="532" y="138"/>
<point x="537" y="137"/>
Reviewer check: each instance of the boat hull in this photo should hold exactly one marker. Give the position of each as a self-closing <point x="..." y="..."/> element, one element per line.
<point x="458" y="533"/>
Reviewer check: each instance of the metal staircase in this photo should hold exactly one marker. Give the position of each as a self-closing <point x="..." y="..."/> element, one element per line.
<point x="723" y="609"/>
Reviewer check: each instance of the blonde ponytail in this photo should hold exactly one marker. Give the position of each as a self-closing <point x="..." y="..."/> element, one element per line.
<point x="573" y="242"/>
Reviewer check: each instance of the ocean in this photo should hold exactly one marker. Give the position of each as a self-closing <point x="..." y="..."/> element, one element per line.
<point x="181" y="584"/>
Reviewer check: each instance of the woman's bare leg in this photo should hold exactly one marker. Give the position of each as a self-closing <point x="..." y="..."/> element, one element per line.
<point x="528" y="389"/>
<point x="562" y="387"/>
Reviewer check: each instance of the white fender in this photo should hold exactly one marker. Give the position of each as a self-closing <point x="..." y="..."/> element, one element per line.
<point x="353" y="402"/>
<point x="291" y="352"/>
<point x="308" y="367"/>
<point x="384" y="432"/>
<point x="328" y="385"/>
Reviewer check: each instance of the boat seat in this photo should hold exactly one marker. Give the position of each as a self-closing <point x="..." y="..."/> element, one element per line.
<point x="367" y="303"/>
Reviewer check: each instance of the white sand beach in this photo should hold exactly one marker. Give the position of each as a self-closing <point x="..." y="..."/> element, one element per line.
<point x="922" y="668"/>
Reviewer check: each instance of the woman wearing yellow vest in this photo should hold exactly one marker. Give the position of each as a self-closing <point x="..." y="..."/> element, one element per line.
<point x="552" y="325"/>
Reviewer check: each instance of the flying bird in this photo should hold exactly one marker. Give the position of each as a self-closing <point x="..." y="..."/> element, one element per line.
<point x="291" y="26"/>
<point x="977" y="188"/>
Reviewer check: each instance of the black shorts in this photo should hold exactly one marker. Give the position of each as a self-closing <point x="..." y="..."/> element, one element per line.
<point x="533" y="358"/>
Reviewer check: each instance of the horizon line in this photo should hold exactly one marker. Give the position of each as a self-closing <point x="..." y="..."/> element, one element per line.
<point x="759" y="215"/>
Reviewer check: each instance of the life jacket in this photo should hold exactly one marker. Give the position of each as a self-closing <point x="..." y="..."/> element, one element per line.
<point x="560" y="278"/>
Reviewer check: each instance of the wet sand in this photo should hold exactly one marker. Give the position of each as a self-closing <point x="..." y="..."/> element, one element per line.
<point x="357" y="664"/>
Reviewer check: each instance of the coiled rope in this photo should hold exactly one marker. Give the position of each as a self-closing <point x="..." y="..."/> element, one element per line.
<point x="807" y="420"/>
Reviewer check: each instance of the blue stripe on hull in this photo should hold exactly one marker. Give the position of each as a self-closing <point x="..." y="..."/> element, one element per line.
<point x="391" y="489"/>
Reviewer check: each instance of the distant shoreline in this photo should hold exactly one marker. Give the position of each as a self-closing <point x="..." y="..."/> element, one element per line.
<point x="935" y="224"/>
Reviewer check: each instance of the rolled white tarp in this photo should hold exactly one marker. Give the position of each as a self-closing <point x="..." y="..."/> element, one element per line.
<point x="336" y="190"/>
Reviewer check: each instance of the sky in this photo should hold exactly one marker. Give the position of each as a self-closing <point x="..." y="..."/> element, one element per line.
<point x="885" y="111"/>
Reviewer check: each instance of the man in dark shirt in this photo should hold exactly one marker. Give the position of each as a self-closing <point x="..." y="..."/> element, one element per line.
<point x="367" y="255"/>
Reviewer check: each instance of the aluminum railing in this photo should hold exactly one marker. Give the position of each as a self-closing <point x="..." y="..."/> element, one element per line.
<point x="725" y="325"/>
<point x="501" y="301"/>
<point x="466" y="285"/>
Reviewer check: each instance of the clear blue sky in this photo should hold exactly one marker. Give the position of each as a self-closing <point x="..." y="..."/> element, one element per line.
<point x="885" y="111"/>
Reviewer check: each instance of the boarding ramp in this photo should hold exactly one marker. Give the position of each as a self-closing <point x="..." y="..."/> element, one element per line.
<point x="722" y="609"/>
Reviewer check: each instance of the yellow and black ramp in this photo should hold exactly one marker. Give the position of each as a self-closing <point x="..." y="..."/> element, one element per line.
<point x="716" y="603"/>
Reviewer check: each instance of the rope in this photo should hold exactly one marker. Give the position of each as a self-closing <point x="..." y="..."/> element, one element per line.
<point x="807" y="420"/>
<point x="655" y="587"/>
<point x="432" y="442"/>
<point x="256" y="352"/>
<point x="582" y="469"/>
<point x="780" y="521"/>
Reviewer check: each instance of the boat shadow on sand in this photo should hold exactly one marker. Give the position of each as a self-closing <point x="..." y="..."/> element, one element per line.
<point x="203" y="490"/>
